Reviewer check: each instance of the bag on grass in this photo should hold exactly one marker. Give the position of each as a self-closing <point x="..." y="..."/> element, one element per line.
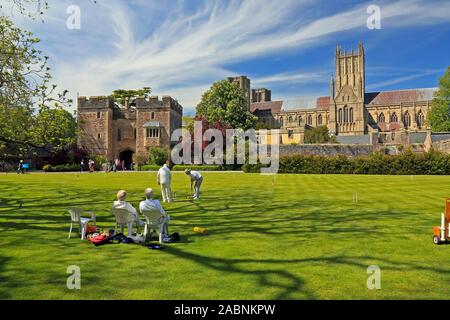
<point x="155" y="246"/>
<point x="139" y="238"/>
<point x="90" y="229"/>
<point x="175" y="237"/>
<point x="97" y="240"/>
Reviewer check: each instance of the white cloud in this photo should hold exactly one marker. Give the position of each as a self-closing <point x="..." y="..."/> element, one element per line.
<point x="180" y="51"/>
<point x="405" y="78"/>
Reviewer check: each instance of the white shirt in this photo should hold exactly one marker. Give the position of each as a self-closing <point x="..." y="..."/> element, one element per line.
<point x="195" y="175"/>
<point x="151" y="204"/>
<point x="164" y="176"/>
<point x="125" y="205"/>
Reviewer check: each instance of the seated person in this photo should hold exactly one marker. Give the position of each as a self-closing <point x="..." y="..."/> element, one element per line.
<point x="149" y="204"/>
<point x="122" y="204"/>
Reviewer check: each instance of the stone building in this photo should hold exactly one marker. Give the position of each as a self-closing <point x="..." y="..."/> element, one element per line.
<point x="350" y="113"/>
<point x="126" y="132"/>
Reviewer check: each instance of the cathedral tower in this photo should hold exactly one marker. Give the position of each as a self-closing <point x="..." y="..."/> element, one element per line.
<point x="348" y="116"/>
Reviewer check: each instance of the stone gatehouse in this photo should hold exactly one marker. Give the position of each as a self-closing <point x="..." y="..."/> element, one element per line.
<point x="126" y="132"/>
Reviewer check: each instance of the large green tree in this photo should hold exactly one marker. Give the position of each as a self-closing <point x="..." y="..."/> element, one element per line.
<point x="439" y="115"/>
<point x="226" y="102"/>
<point x="319" y="135"/>
<point x="26" y="95"/>
<point x="54" y="127"/>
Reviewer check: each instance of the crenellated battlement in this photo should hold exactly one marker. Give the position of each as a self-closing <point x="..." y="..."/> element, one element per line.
<point x="156" y="102"/>
<point x="95" y="102"/>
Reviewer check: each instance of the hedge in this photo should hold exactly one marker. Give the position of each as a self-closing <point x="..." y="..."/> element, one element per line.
<point x="149" y="168"/>
<point x="183" y="167"/>
<point x="61" y="168"/>
<point x="408" y="163"/>
<point x="197" y="167"/>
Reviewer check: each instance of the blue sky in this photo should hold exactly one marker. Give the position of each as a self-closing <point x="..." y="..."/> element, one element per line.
<point x="179" y="47"/>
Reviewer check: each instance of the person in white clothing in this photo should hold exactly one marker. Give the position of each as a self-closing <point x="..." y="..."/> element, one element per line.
<point x="164" y="178"/>
<point x="149" y="204"/>
<point x="196" y="181"/>
<point x="122" y="204"/>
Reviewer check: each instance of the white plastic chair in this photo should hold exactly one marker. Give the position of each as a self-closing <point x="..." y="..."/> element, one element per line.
<point x="77" y="219"/>
<point x="153" y="218"/>
<point x="124" y="217"/>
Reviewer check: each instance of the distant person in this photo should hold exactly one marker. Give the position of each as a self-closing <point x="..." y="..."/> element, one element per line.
<point x="21" y="168"/>
<point x="164" y="178"/>
<point x="149" y="204"/>
<point x="82" y="166"/>
<point x="122" y="204"/>
<point x="116" y="165"/>
<point x="91" y="166"/>
<point x="196" y="181"/>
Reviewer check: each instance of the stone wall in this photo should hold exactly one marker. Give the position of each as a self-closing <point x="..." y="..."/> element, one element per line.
<point x="351" y="151"/>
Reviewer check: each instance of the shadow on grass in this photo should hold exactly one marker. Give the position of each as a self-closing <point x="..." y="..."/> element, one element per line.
<point x="283" y="280"/>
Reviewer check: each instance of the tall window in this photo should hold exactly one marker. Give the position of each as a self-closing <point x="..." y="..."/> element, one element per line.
<point x="394" y="118"/>
<point x="153" y="115"/>
<point x="340" y="116"/>
<point x="345" y="114"/>
<point x="381" y="118"/>
<point x="350" y="116"/>
<point x="99" y="136"/>
<point x="152" y="132"/>
<point x="281" y="122"/>
<point x="98" y="115"/>
<point x="310" y="120"/>
<point x="407" y="119"/>
<point x="319" y="120"/>
<point x="119" y="135"/>
<point x="420" y="119"/>
<point x="290" y="119"/>
<point x="300" y="121"/>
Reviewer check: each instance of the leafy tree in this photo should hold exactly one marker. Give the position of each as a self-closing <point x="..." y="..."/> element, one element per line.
<point x="55" y="127"/>
<point x="261" y="125"/>
<point x="226" y="102"/>
<point x="32" y="9"/>
<point x="439" y="115"/>
<point x="158" y="156"/>
<point x="24" y="87"/>
<point x="319" y="135"/>
<point x="188" y="123"/>
<point x="28" y="8"/>
<point x="121" y="95"/>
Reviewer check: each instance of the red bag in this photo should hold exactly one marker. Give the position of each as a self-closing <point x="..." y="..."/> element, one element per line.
<point x="97" y="239"/>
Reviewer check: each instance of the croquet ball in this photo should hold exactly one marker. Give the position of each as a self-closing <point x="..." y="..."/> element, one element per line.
<point x="200" y="230"/>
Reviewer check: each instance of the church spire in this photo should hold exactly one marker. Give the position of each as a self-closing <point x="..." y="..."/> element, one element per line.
<point x="332" y="90"/>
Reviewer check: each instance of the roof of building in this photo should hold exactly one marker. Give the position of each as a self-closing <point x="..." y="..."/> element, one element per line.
<point x="361" y="139"/>
<point x="274" y="106"/>
<point x="417" y="137"/>
<point x="152" y="124"/>
<point x="399" y="96"/>
<point x="323" y="103"/>
<point x="440" y="136"/>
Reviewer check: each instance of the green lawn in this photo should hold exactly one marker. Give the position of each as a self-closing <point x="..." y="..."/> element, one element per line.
<point x="287" y="237"/>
